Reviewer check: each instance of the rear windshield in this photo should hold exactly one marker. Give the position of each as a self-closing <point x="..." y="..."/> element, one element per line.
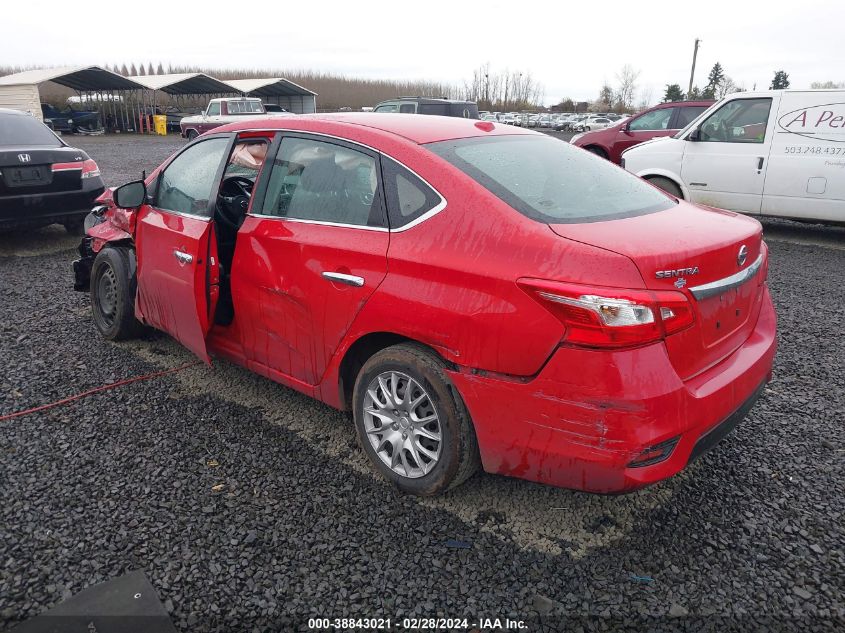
<point x="25" y="131"/>
<point x="551" y="181"/>
<point x="244" y="107"/>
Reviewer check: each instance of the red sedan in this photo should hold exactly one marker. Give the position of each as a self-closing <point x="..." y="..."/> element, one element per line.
<point x="472" y="292"/>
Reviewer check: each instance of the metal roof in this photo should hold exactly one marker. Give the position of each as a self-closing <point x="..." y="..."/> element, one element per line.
<point x="269" y="87"/>
<point x="81" y="78"/>
<point x="184" y="84"/>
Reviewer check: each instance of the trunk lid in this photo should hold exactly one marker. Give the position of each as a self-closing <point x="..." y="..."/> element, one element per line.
<point x="687" y="249"/>
<point x="26" y="171"/>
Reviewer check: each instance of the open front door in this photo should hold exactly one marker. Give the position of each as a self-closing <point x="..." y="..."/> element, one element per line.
<point x="178" y="269"/>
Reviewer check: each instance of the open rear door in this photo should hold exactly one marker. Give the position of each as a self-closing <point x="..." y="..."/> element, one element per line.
<point x="178" y="276"/>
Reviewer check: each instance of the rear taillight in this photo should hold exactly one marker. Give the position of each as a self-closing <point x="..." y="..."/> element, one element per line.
<point x="611" y="317"/>
<point x="88" y="168"/>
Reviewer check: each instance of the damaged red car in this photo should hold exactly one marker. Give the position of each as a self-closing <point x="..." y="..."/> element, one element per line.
<point x="474" y="294"/>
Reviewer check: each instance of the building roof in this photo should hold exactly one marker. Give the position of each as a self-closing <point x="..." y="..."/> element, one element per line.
<point x="269" y="87"/>
<point x="184" y="84"/>
<point x="82" y="78"/>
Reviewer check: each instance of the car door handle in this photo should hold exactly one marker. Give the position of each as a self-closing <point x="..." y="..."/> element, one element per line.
<point x="183" y="257"/>
<point x="759" y="164"/>
<point x="342" y="278"/>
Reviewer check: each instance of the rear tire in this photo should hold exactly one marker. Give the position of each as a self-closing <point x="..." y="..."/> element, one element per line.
<point x="419" y="457"/>
<point x="113" y="287"/>
<point x="192" y="134"/>
<point x="668" y="186"/>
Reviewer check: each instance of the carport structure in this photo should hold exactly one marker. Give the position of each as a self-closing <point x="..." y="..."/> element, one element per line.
<point x="181" y="85"/>
<point x="116" y="97"/>
<point x="283" y="92"/>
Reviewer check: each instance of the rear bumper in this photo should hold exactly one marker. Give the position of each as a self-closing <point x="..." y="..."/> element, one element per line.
<point x="41" y="209"/>
<point x="583" y="420"/>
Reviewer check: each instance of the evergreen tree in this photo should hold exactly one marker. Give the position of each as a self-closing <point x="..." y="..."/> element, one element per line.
<point x="695" y="94"/>
<point x="133" y="70"/>
<point x="780" y="81"/>
<point x="160" y="69"/>
<point x="714" y="81"/>
<point x="673" y="93"/>
<point x="124" y="71"/>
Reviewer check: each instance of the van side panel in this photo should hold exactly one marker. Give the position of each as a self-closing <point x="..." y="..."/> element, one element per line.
<point x="805" y="177"/>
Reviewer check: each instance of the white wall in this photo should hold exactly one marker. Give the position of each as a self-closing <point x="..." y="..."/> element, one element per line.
<point x="24" y="97"/>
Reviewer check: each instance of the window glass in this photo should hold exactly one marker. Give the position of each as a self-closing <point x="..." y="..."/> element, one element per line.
<point x="550" y="180"/>
<point x="246" y="159"/>
<point x="408" y="197"/>
<point x="686" y="114"/>
<point x="387" y="107"/>
<point x="408" y="108"/>
<point x="25" y="131"/>
<point x="434" y="108"/>
<point x="313" y="180"/>
<point x="189" y="182"/>
<point x="213" y="108"/>
<point x="738" y="121"/>
<point x="654" y="120"/>
<point x="244" y="107"/>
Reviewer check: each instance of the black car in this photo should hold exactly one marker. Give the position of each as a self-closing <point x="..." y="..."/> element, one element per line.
<point x="427" y="105"/>
<point x="42" y="180"/>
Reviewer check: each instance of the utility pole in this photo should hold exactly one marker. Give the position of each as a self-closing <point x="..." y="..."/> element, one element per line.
<point x="692" y="72"/>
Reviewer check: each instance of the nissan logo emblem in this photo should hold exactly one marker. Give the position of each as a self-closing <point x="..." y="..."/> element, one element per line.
<point x="24" y="158"/>
<point x="742" y="256"/>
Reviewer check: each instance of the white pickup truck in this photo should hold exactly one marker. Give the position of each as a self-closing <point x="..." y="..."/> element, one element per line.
<point x="222" y="111"/>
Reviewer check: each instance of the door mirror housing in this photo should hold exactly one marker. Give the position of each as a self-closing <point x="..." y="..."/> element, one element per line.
<point x="131" y="195"/>
<point x="695" y="135"/>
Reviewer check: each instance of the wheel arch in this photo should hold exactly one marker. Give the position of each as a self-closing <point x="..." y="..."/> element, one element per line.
<point x="361" y="350"/>
<point x="660" y="173"/>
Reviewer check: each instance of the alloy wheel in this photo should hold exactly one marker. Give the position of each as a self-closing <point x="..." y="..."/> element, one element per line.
<point x="402" y="424"/>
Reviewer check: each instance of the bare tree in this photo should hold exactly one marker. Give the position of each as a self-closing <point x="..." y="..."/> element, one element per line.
<point x="626" y="80"/>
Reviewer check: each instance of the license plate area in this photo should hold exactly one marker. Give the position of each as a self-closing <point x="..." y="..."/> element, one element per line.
<point x="27" y="176"/>
<point x="724" y="314"/>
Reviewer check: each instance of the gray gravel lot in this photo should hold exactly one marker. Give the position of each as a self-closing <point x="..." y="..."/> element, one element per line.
<point x="250" y="508"/>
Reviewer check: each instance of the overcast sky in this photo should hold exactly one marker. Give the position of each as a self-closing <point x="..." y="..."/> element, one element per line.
<point x="571" y="49"/>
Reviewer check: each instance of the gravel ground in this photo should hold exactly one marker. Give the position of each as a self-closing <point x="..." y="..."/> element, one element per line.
<point x="249" y="506"/>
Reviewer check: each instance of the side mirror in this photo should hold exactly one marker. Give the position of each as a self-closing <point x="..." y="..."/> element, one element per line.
<point x="131" y="195"/>
<point x="627" y="127"/>
<point x="695" y="135"/>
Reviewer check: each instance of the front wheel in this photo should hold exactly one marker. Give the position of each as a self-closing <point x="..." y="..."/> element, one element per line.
<point x="411" y="421"/>
<point x="113" y="287"/>
<point x="192" y="134"/>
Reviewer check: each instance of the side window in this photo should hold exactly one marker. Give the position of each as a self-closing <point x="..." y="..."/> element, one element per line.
<point x="654" y="120"/>
<point x="213" y="108"/>
<point x="188" y="183"/>
<point x="434" y="108"/>
<point x="387" y="107"/>
<point x="686" y="114"/>
<point x="408" y="108"/>
<point x="738" y="121"/>
<point x="408" y="197"/>
<point x="324" y="182"/>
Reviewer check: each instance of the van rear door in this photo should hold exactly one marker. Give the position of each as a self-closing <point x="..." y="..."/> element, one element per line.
<point x="806" y="174"/>
<point x="725" y="165"/>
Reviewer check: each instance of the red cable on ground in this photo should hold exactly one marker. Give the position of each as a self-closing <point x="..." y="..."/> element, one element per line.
<point x="90" y="392"/>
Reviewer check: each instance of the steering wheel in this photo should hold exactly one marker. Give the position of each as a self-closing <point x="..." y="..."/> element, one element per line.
<point x="233" y="208"/>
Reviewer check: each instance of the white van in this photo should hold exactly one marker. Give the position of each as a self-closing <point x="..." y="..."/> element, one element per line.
<point x="777" y="153"/>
